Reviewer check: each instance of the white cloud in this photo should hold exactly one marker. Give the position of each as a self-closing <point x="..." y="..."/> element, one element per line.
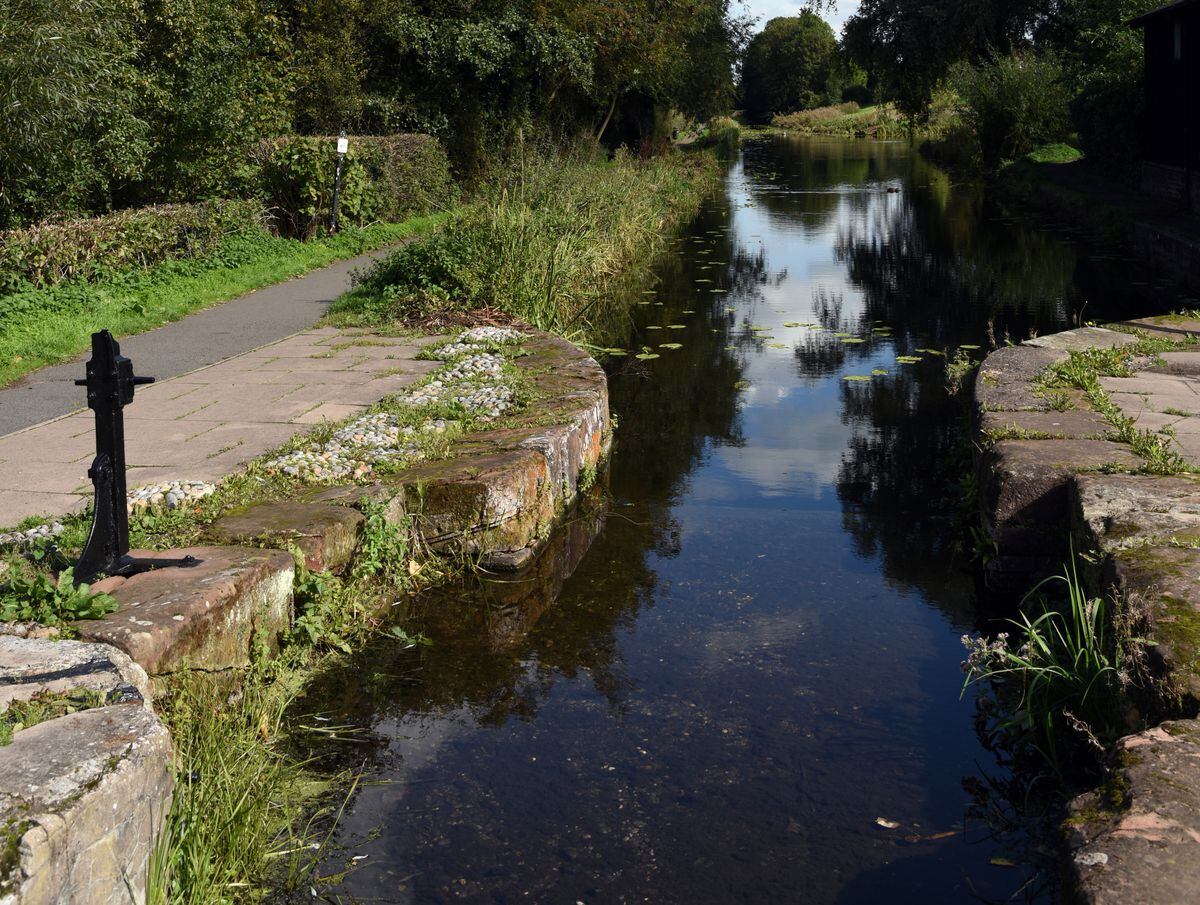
<point x="769" y="9"/>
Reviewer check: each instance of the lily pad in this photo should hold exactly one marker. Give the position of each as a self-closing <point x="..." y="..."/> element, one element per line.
<point x="653" y="327"/>
<point x="856" y="378"/>
<point x="969" y="347"/>
<point x="670" y="345"/>
<point x="676" y="326"/>
<point x="646" y="356"/>
<point x="879" y="372"/>
<point x="907" y="359"/>
<point x="776" y="346"/>
<point x="851" y="340"/>
<point x="932" y="352"/>
<point x="793" y="324"/>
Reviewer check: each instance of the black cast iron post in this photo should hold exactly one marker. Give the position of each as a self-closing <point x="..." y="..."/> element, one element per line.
<point x="110" y="382"/>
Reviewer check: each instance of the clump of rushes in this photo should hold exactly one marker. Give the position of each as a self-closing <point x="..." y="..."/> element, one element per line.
<point x="549" y="242"/>
<point x="1055" y="688"/>
<point x="1083" y="370"/>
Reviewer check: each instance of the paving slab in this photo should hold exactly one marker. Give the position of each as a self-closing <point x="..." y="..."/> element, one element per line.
<point x="208" y="424"/>
<point x="1083" y="338"/>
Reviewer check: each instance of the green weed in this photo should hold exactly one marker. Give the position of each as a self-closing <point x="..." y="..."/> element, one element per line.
<point x="30" y="595"/>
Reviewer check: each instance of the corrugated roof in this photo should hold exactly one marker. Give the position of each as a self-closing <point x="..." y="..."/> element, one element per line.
<point x="1162" y="11"/>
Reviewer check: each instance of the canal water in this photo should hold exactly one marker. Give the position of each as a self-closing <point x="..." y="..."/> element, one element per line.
<point x="738" y="681"/>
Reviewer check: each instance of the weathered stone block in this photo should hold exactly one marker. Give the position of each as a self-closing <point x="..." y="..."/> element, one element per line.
<point x="29" y="667"/>
<point x="1046" y="425"/>
<point x="1003" y="382"/>
<point x="83" y="798"/>
<point x="1082" y="339"/>
<point x="1137" y="838"/>
<point x="327" y="535"/>
<point x="1114" y="512"/>
<point x="1162" y="584"/>
<point x="206" y="616"/>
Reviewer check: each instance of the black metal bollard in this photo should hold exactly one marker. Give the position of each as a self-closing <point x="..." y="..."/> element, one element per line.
<point x="110" y="382"/>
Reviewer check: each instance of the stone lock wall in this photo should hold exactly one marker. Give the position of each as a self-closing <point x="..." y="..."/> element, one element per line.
<point x="84" y="797"/>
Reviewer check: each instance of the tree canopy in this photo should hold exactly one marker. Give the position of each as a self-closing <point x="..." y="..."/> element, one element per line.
<point x="129" y="101"/>
<point x="789" y="66"/>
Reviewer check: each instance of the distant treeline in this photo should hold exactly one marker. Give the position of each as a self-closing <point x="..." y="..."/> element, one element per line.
<point x="115" y="103"/>
<point x="1023" y="72"/>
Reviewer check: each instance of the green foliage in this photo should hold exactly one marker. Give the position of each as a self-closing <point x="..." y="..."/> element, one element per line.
<point x="20" y="715"/>
<point x="1014" y="104"/>
<point x="1057" y="687"/>
<point x="383" y="178"/>
<point x="31" y="595"/>
<point x="87" y="250"/>
<point x="549" y="242"/>
<point x="383" y="551"/>
<point x="722" y="134"/>
<point x="1056" y="152"/>
<point x="789" y="65"/>
<point x="214" y="83"/>
<point x="69" y="91"/>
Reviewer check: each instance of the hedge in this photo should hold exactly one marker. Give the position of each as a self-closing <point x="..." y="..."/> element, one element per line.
<point x="384" y="177"/>
<point x="73" y="250"/>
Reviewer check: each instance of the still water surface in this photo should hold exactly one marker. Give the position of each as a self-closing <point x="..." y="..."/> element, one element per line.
<point x="748" y="688"/>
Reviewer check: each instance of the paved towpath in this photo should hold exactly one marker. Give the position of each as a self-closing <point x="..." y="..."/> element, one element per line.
<point x="192" y="342"/>
<point x="1165" y="397"/>
<point x="206" y="424"/>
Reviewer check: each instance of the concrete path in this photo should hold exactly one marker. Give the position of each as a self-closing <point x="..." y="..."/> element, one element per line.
<point x="195" y="341"/>
<point x="208" y="423"/>
<point x="1165" y="399"/>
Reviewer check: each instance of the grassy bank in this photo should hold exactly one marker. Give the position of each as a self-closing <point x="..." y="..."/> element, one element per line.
<point x="879" y="121"/>
<point x="39" y="327"/>
<point x="552" y="242"/>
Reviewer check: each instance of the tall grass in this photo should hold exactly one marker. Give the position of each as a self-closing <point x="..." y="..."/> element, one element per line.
<point x="550" y="242"/>
<point x="1056" y="687"/>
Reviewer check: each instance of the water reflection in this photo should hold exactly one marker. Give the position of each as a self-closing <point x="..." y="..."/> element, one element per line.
<point x="748" y="688"/>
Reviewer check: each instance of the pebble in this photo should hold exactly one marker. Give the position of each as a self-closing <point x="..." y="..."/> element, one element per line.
<point x="354" y="450"/>
<point x="31" y="535"/>
<point x="168" y="495"/>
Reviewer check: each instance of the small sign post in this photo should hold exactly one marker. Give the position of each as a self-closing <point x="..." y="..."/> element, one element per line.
<point x="343" y="145"/>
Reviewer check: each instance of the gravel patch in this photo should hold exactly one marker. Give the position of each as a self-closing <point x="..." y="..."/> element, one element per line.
<point x="356" y="449"/>
<point x="168" y="495"/>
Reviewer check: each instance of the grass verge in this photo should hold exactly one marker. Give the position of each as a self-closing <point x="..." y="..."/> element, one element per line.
<point x="39" y="327"/>
<point x="552" y="242"/>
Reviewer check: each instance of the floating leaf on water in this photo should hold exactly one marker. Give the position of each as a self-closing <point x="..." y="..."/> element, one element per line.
<point x="649" y="292"/>
<point x="776" y="346"/>
<point x="887" y="824"/>
<point x="703" y="280"/>
<point x="617" y="352"/>
<point x="853" y="339"/>
<point x="676" y="326"/>
<point x="729" y="310"/>
<point x="718" y="291"/>
<point x="653" y="327"/>
<point x="670" y="345"/>
<point x="646" y="356"/>
<point x="969" y="347"/>
<point x="932" y="351"/>
<point x="856" y="378"/>
<point x="842" y="335"/>
<point x="687" y="311"/>
<point x="793" y="324"/>
<point x="907" y="359"/>
<point x="879" y="372"/>
<point x="741" y="384"/>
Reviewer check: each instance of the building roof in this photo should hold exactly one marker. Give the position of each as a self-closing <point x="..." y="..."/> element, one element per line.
<point x="1174" y="7"/>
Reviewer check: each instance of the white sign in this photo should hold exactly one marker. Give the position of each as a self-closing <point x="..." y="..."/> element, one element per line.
<point x="343" y="145"/>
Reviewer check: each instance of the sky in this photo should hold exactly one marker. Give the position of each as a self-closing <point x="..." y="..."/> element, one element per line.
<point x="769" y="9"/>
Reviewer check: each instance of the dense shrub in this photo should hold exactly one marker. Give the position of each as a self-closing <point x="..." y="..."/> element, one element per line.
<point x="1014" y="104"/>
<point x="723" y="134"/>
<point x="59" y="251"/>
<point x="384" y="177"/>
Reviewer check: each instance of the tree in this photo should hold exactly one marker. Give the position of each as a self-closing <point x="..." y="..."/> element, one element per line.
<point x="788" y="66"/>
<point x="69" y="91"/>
